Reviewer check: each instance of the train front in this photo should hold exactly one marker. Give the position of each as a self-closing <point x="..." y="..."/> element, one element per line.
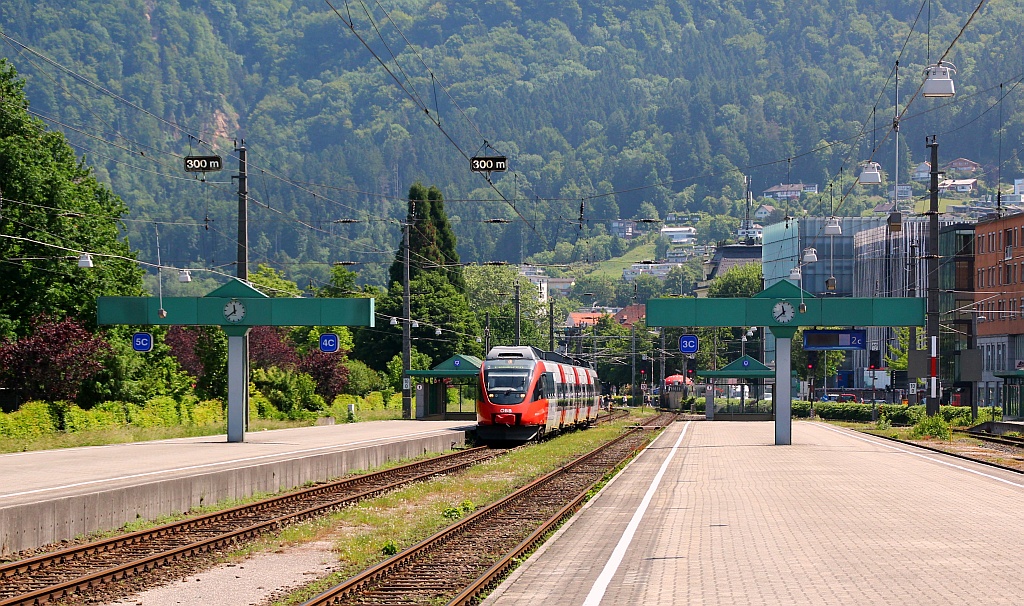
<point x="505" y="409"/>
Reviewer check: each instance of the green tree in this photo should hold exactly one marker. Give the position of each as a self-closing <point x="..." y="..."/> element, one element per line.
<point x="681" y="280"/>
<point x="741" y="281"/>
<point x="53" y="209"/>
<point x="431" y="240"/>
<point x="489" y="290"/>
<point x="273" y="283"/>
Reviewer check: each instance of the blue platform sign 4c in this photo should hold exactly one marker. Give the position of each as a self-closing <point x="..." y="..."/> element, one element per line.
<point x="142" y="341"/>
<point x="328" y="342"/>
<point x="689" y="344"/>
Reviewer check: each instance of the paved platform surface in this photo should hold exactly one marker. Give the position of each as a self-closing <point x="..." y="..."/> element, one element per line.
<point x="28" y="477"/>
<point x="715" y="513"/>
<point x="55" y="495"/>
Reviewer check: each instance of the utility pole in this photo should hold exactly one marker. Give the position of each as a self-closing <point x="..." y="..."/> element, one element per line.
<point x="241" y="353"/>
<point x="243" y="215"/>
<point x="406" y="323"/>
<point x="518" y="311"/>
<point x="663" y="362"/>
<point x="632" y="362"/>
<point x="551" y="324"/>
<point x="932" y="406"/>
<point x="487" y="333"/>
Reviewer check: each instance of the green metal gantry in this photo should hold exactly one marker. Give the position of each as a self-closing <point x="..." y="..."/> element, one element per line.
<point x="236" y="307"/>
<point x="783" y="308"/>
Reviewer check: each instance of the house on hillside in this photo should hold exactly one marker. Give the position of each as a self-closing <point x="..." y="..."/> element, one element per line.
<point x="627" y="316"/>
<point x="962" y="165"/>
<point x="764" y="211"/>
<point x="687" y="234"/>
<point x="622" y="228"/>
<point x="922" y="172"/>
<point x="961" y="186"/>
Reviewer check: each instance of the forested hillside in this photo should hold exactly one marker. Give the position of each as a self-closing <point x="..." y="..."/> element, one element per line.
<point x="605" y="109"/>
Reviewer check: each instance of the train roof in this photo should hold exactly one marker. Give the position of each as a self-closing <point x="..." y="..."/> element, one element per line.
<point x="527" y="352"/>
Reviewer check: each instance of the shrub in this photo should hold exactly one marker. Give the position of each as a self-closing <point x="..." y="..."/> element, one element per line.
<point x="845" y="411"/>
<point x="161" y="411"/>
<point x="292" y="393"/>
<point x="52" y="362"/>
<point x="897" y="414"/>
<point x="209" y="412"/>
<point x="260" y="407"/>
<point x="328" y="370"/>
<point x="32" y="420"/>
<point x="933" y="427"/>
<point x="801" y="408"/>
<point x="956" y="416"/>
<point x="361" y="378"/>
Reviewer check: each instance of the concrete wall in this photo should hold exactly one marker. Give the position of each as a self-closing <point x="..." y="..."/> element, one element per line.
<point x="32" y="525"/>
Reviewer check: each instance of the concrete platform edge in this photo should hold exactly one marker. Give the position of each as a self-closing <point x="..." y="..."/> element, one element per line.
<point x="27" y="526"/>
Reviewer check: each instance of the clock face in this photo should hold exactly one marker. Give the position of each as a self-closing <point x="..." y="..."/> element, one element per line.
<point x="783" y="312"/>
<point x="234" y="311"/>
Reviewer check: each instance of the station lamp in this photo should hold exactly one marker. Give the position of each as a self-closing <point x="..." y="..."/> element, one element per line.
<point x="938" y="80"/>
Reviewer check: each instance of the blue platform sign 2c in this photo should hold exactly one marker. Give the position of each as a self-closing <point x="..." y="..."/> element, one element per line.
<point x="689" y="344"/>
<point x="328" y="342"/>
<point x="142" y="341"/>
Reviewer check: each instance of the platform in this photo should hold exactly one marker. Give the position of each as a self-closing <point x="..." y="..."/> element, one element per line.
<point x="715" y="513"/>
<point x="54" y="495"/>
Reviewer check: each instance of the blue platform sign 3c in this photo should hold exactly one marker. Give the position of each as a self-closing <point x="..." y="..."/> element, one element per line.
<point x="689" y="344"/>
<point x="328" y="342"/>
<point x="142" y="341"/>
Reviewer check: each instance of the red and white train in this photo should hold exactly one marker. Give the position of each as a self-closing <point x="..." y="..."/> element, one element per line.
<point x="526" y="393"/>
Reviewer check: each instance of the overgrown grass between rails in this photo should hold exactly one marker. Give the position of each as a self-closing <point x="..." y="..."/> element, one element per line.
<point x="362" y="532"/>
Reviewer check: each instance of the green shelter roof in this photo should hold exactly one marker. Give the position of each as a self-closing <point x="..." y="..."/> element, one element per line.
<point x="456" y="366"/>
<point x="742" y="368"/>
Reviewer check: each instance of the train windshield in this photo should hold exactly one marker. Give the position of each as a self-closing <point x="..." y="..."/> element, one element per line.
<point x="506" y="386"/>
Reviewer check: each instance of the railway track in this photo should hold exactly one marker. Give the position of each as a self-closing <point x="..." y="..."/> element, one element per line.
<point x="54" y="575"/>
<point x="460" y="563"/>
<point x="1017" y="442"/>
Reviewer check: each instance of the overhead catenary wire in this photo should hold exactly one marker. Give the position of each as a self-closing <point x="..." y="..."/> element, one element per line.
<point x="623" y="191"/>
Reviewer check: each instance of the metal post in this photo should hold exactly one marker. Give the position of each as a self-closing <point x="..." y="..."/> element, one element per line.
<point x="237" y="383"/>
<point x="783" y="393"/>
<point x="551" y="323"/>
<point x="632" y="363"/>
<point x="487" y="333"/>
<point x="242" y="271"/>
<point x="932" y="406"/>
<point x="406" y="326"/>
<point x="243" y="215"/>
<point x="664" y="399"/>
<point x="518" y="310"/>
<point x="743" y="391"/>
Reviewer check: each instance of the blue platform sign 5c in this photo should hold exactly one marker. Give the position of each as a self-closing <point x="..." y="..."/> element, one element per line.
<point x="142" y="341"/>
<point x="328" y="342"/>
<point x="689" y="344"/>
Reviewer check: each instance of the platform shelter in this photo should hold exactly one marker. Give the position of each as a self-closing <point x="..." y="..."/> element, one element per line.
<point x="432" y="392"/>
<point x="749" y="370"/>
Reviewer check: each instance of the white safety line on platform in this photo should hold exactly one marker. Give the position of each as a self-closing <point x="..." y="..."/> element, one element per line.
<point x="345" y="446"/>
<point x="924" y="456"/>
<point x="605" y="578"/>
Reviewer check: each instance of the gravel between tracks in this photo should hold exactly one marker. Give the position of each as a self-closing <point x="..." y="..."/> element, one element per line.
<point x="253" y="581"/>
